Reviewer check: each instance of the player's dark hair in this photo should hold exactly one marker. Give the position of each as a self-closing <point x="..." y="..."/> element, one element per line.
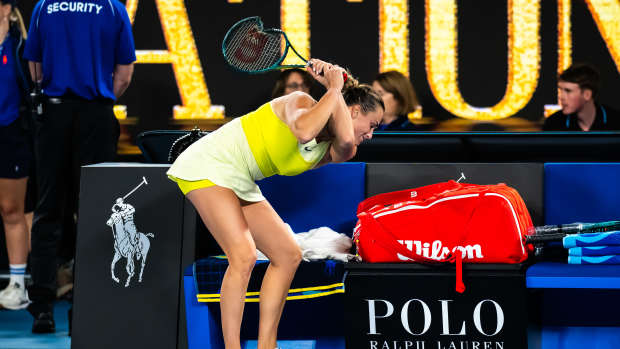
<point x="361" y="94"/>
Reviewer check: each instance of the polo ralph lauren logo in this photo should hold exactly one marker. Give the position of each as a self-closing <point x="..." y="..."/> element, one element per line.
<point x="129" y="243"/>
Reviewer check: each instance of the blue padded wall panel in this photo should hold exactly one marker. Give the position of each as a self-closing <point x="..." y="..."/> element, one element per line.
<point x="203" y="328"/>
<point x="581" y="192"/>
<point x="327" y="196"/>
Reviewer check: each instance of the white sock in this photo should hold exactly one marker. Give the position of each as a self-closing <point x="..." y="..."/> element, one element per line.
<point x="17" y="274"/>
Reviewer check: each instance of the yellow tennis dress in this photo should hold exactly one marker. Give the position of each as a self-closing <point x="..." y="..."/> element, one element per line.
<point x="243" y="151"/>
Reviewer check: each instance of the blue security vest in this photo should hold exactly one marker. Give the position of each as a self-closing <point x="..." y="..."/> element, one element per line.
<point x="10" y="90"/>
<point x="78" y="44"/>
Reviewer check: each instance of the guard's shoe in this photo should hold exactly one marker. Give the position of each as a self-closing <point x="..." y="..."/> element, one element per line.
<point x="14" y="297"/>
<point x="44" y="323"/>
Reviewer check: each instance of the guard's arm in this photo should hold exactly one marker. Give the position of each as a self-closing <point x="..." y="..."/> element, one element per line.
<point x="122" y="78"/>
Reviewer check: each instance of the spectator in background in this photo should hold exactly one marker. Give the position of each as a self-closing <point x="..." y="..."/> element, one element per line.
<point x="578" y="88"/>
<point x="83" y="59"/>
<point x="15" y="151"/>
<point x="291" y="80"/>
<point x="399" y="98"/>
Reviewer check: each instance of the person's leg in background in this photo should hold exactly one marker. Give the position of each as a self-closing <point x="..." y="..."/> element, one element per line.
<point x="12" y="195"/>
<point x="52" y="153"/>
<point x="96" y="131"/>
<point x="31" y="188"/>
<point x="31" y="198"/>
<point x="66" y="251"/>
<point x="16" y="155"/>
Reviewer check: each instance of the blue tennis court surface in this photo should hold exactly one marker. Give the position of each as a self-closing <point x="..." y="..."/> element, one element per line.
<point x="15" y="330"/>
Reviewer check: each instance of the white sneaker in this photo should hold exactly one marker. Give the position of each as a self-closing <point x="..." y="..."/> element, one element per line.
<point x="3" y="292"/>
<point x="14" y="297"/>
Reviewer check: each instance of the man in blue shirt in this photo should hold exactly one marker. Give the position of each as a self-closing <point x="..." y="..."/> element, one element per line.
<point x="82" y="53"/>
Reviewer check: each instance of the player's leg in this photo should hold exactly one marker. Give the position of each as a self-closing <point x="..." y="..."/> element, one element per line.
<point x="220" y="210"/>
<point x="273" y="239"/>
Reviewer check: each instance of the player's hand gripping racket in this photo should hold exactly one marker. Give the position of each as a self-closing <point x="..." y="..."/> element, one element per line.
<point x="250" y="48"/>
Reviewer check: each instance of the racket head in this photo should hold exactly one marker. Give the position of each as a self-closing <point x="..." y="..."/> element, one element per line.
<point x="249" y="48"/>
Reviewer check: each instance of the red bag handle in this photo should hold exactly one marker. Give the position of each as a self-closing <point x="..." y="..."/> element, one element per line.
<point x="388" y="241"/>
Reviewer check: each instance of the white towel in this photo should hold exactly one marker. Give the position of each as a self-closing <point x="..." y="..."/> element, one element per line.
<point x="321" y="243"/>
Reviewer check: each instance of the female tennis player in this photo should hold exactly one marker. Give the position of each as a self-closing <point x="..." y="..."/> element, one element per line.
<point x="287" y="136"/>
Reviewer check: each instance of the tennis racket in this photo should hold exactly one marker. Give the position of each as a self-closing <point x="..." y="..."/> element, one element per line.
<point x="548" y="233"/>
<point x="250" y="48"/>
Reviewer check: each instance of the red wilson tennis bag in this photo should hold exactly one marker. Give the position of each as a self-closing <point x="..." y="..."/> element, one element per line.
<point x="444" y="222"/>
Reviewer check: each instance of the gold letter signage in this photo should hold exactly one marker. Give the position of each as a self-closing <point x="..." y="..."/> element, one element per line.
<point x="523" y="59"/>
<point x="183" y="56"/>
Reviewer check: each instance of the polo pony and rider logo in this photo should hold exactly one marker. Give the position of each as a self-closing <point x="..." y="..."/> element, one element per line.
<point x="128" y="242"/>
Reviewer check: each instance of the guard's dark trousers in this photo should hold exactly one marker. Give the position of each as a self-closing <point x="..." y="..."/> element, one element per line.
<point x="71" y="133"/>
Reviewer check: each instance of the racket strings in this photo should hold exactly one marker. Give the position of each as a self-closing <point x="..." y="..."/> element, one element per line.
<point x="248" y="48"/>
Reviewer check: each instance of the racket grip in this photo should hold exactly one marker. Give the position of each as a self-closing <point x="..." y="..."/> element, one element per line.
<point x="344" y="74"/>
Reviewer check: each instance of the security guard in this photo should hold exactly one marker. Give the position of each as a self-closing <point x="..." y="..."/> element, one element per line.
<point x="82" y="54"/>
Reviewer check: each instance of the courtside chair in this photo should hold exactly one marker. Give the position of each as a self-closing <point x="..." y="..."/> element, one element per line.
<point x="155" y="145"/>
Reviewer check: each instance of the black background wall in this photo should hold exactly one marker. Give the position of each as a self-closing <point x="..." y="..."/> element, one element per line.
<point x="347" y="33"/>
<point x="526" y="178"/>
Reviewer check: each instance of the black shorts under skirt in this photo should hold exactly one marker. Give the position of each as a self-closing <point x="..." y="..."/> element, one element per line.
<point x="15" y="151"/>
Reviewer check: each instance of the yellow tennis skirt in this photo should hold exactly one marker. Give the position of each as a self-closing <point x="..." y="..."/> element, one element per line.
<point x="187" y="186"/>
<point x="222" y="158"/>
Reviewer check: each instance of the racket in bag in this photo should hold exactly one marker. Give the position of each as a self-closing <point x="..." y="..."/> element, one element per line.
<point x="446" y="222"/>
